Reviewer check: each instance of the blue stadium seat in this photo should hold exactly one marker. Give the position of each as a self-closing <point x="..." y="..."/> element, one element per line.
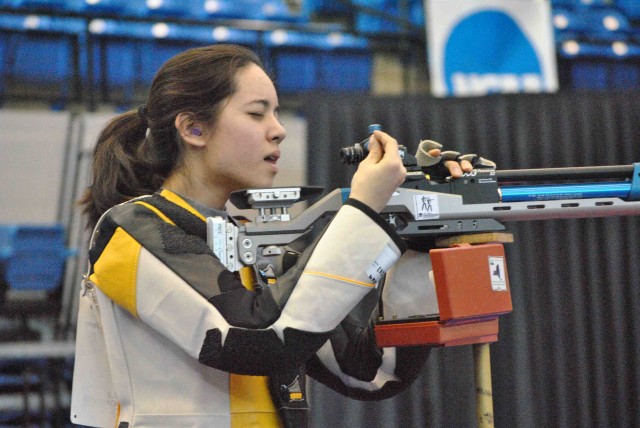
<point x="318" y="61"/>
<point x="346" y="63"/>
<point x="32" y="263"/>
<point x="267" y="10"/>
<point x="33" y="257"/>
<point x="222" y="9"/>
<point x="126" y="55"/>
<point x="313" y="8"/>
<point x="166" y="9"/>
<point x="594" y="24"/>
<point x="630" y="7"/>
<point x="41" y="51"/>
<point x="585" y="65"/>
<point x="564" y="3"/>
<point x="594" y="3"/>
<point x="182" y="37"/>
<point x="103" y="8"/>
<point x="567" y="20"/>
<point x="607" y="23"/>
<point x="41" y="6"/>
<point x="293" y="57"/>
<point x="277" y="10"/>
<point x="595" y="48"/>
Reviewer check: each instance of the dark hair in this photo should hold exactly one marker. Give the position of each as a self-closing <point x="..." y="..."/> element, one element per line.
<point x="136" y="151"/>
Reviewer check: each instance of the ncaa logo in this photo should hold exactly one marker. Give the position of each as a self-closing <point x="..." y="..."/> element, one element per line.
<point x="489" y="47"/>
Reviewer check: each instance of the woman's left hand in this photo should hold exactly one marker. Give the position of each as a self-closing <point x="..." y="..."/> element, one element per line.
<point x="456" y="168"/>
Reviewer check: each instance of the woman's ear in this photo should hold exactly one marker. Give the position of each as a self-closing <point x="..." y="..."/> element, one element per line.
<point x="190" y="131"/>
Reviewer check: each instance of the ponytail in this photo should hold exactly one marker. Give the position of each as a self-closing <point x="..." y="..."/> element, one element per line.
<point x="138" y="150"/>
<point x="121" y="167"/>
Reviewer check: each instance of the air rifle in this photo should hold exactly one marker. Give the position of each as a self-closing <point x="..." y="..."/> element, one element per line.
<point x="471" y="298"/>
<point x="480" y="201"/>
<point x="427" y="212"/>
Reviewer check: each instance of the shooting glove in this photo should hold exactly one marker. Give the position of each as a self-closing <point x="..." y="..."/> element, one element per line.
<point x="435" y="166"/>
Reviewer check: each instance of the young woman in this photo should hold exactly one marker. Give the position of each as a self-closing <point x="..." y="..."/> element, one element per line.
<point x="166" y="335"/>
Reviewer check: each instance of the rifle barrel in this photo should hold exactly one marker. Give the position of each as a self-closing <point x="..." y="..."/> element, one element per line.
<point x="575" y="173"/>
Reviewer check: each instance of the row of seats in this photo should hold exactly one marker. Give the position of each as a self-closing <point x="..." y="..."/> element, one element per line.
<point x="276" y="10"/>
<point x="368" y="15"/>
<point x="112" y="60"/>
<point x="603" y="24"/>
<point x="630" y="7"/>
<point x="598" y="45"/>
<point x="105" y="56"/>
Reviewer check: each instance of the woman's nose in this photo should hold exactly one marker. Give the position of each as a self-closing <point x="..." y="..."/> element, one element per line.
<point x="278" y="133"/>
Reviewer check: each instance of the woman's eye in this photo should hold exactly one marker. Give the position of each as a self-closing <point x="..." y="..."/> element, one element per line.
<point x="256" y="114"/>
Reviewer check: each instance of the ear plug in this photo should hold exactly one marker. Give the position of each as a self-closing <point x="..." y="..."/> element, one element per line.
<point x="196" y="131"/>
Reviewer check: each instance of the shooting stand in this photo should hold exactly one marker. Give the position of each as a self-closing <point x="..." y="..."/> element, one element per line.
<point x="472" y="288"/>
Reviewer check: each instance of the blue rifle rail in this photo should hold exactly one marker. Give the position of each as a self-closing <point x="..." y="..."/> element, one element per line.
<point x="628" y="190"/>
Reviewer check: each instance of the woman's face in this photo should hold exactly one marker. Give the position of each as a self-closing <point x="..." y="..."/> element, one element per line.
<point x="243" y="150"/>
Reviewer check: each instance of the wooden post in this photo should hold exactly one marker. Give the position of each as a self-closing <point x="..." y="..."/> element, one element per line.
<point x="484" y="393"/>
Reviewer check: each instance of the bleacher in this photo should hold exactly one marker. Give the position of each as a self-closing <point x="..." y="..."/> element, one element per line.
<point x="106" y="51"/>
<point x="597" y="43"/>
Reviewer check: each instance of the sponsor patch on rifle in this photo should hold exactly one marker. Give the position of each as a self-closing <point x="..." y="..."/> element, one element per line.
<point x="426" y="205"/>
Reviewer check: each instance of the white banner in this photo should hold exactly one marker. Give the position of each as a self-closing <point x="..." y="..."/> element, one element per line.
<point x="479" y="47"/>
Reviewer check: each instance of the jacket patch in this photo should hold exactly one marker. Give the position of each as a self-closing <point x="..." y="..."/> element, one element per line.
<point x="181" y="243"/>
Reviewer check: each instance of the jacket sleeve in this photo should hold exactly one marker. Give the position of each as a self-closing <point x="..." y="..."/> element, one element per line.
<point x="171" y="280"/>
<point x="351" y="363"/>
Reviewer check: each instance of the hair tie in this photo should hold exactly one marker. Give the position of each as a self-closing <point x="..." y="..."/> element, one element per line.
<point x="142" y="112"/>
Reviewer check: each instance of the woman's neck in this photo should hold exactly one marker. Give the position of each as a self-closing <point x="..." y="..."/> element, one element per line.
<point x="195" y="189"/>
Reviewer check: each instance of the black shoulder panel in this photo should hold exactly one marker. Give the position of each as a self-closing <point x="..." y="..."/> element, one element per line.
<point x="185" y="254"/>
<point x="259" y="352"/>
<point x="245" y="308"/>
<point x="185" y="220"/>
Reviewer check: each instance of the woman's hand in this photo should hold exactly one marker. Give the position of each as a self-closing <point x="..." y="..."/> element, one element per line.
<point x="380" y="173"/>
<point x="441" y="165"/>
<point x="455" y="169"/>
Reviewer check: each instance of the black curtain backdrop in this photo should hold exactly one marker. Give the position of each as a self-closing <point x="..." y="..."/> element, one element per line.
<point x="569" y="353"/>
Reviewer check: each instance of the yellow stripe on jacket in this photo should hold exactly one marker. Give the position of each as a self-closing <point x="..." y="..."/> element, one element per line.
<point x="118" y="262"/>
